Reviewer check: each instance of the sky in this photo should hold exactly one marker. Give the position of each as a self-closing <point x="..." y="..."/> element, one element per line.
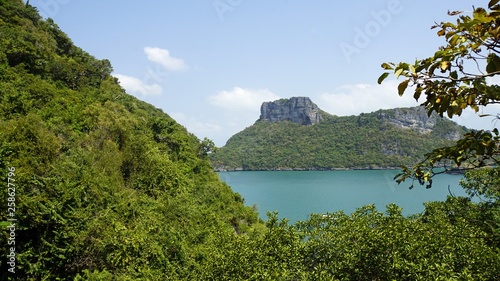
<point x="210" y="64"/>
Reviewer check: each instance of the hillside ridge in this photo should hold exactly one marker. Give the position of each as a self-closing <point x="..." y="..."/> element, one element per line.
<point x="105" y="186"/>
<point x="386" y="138"/>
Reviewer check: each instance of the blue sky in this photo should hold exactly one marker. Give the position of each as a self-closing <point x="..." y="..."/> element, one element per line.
<point x="211" y="63"/>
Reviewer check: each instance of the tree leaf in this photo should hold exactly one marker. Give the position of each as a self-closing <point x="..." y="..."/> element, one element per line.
<point x="490" y="67"/>
<point x="444" y="65"/>
<point x="471" y="98"/>
<point x="453" y="40"/>
<point x="439" y="54"/>
<point x="382" y="77"/>
<point x="454" y="74"/>
<point x="402" y="87"/>
<point x="417" y="93"/>
<point x="398" y="72"/>
<point x="386" y="66"/>
<point x="412" y="69"/>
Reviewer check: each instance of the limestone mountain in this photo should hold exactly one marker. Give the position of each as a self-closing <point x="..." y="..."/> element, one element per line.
<point x="294" y="134"/>
<point x="300" y="110"/>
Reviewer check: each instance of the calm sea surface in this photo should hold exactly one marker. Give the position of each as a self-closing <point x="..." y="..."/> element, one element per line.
<point x="296" y="194"/>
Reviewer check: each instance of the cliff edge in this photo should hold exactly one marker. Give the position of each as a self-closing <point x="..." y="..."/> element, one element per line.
<point x="300" y="110"/>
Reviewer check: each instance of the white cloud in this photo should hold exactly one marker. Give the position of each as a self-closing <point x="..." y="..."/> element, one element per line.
<point x="241" y="108"/>
<point x="142" y="87"/>
<point x="240" y="99"/>
<point x="162" y="57"/>
<point x="201" y="128"/>
<point x="353" y="99"/>
<point x="194" y="125"/>
<point x="138" y="87"/>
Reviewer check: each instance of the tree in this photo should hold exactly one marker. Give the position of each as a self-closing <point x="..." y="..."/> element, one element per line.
<point x="207" y="146"/>
<point x="483" y="183"/>
<point x="453" y="79"/>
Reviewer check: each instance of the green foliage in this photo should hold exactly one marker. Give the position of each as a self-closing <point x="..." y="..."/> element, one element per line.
<point x="366" y="141"/>
<point x="273" y="254"/>
<point x="369" y="245"/>
<point x="448" y="241"/>
<point x="107" y="187"/>
<point x="111" y="188"/>
<point x="454" y="79"/>
<point x="483" y="182"/>
<point x="207" y="147"/>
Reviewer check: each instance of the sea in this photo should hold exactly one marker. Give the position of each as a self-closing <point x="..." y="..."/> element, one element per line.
<point x="295" y="195"/>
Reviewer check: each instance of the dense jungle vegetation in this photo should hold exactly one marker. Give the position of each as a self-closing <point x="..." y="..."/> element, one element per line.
<point x="107" y="187"/>
<point x="366" y="141"/>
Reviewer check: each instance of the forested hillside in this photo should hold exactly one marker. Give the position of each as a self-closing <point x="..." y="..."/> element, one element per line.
<point x="97" y="185"/>
<point x="103" y="181"/>
<point x="381" y="139"/>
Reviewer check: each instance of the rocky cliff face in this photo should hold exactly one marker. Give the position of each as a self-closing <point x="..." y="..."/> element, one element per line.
<point x="416" y="118"/>
<point x="300" y="110"/>
<point x="410" y="118"/>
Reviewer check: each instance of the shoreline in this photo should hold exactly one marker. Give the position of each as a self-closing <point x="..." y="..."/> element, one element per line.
<point x="302" y="169"/>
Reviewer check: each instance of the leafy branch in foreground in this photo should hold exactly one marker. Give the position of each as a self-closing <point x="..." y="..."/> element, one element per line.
<point x="453" y="79"/>
<point x="475" y="150"/>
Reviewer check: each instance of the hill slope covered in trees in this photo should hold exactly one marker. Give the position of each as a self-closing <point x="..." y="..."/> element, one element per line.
<point x="103" y="181"/>
<point x="381" y="139"/>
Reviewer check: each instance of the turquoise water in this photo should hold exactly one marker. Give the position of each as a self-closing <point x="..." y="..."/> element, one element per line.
<point x="296" y="194"/>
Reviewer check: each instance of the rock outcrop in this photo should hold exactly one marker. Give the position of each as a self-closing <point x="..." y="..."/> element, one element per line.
<point x="416" y="118"/>
<point x="300" y="110"/>
<point x="410" y="118"/>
